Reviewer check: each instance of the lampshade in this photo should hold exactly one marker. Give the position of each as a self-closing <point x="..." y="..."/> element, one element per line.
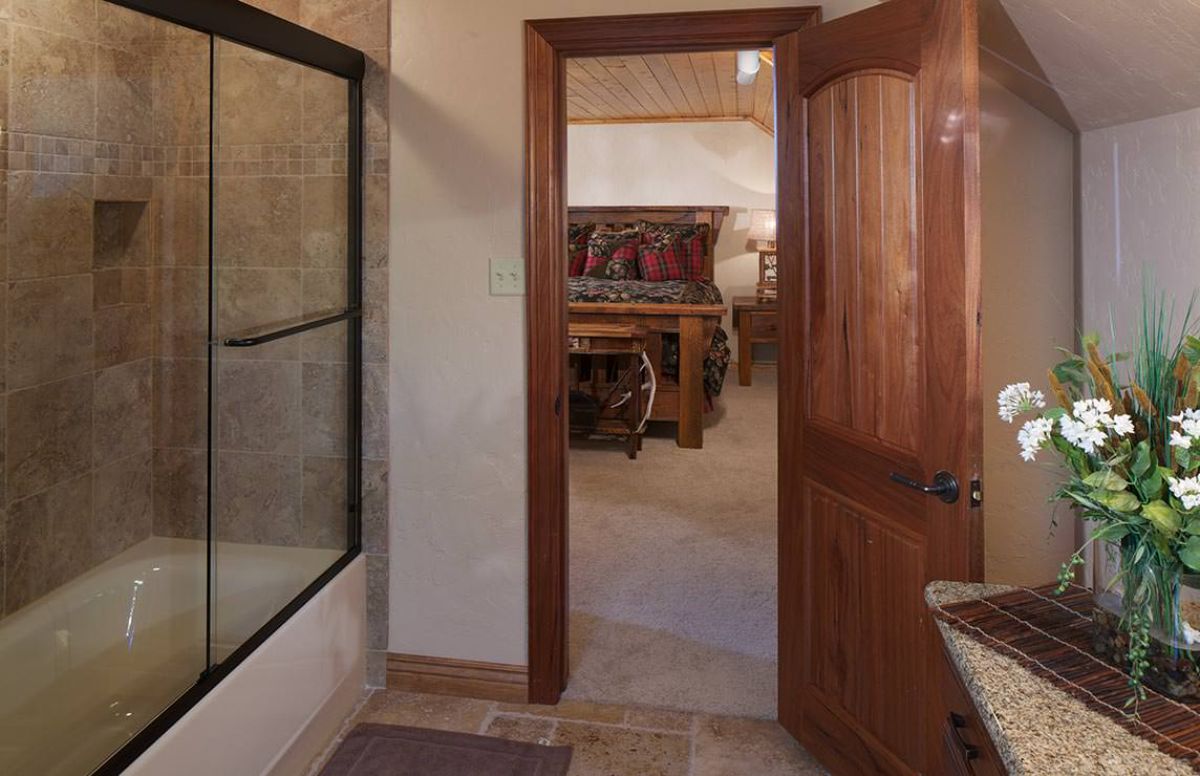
<point x="762" y="225"/>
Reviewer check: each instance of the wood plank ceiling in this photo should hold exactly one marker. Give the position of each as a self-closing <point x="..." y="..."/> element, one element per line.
<point x="669" y="87"/>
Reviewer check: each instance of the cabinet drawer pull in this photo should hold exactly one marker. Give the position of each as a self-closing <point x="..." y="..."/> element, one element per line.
<point x="957" y="723"/>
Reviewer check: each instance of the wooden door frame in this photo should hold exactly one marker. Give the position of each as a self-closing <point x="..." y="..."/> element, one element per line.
<point x="548" y="44"/>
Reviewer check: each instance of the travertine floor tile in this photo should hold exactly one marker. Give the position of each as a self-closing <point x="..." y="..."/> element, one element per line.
<point x="659" y="719"/>
<point x="728" y="746"/>
<point x="578" y="710"/>
<point x="605" y="750"/>
<point x="463" y="715"/>
<point x="529" y="729"/>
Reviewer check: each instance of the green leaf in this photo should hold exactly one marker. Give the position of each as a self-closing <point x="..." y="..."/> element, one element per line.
<point x="1054" y="413"/>
<point x="1163" y="517"/>
<point x="1117" y="501"/>
<point x="1183" y="457"/>
<point x="1112" y="532"/>
<point x="1189" y="553"/>
<point x="1106" y="479"/>
<point x="1143" y="459"/>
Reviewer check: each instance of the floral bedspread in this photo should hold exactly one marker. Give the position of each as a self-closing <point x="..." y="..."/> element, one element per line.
<point x="716" y="364"/>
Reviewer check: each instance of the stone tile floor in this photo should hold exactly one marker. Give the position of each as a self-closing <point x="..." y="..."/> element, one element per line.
<point x="608" y="740"/>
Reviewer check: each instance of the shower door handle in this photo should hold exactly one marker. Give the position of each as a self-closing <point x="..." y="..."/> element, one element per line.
<point x="316" y="323"/>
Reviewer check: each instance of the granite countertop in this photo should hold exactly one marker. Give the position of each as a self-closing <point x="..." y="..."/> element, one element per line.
<point x="1037" y="728"/>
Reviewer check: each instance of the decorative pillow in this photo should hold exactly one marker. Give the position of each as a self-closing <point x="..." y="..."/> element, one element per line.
<point x="662" y="259"/>
<point x="613" y="255"/>
<point x="577" y="243"/>
<point x="692" y="237"/>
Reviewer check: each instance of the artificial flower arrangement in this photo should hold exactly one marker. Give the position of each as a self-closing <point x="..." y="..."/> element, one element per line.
<point x="1131" y="445"/>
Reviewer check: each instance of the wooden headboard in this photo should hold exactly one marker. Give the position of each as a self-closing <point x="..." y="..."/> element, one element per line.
<point x="713" y="215"/>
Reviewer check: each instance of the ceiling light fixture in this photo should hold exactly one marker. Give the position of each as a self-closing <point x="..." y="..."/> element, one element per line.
<point x="747" y="67"/>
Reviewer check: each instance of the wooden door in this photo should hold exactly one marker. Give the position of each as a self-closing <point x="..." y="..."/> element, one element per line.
<point x="879" y="295"/>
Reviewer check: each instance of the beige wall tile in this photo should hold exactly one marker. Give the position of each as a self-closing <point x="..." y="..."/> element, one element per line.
<point x="284" y="9"/>
<point x="375" y="412"/>
<point x="375" y="314"/>
<point x="180" y="493"/>
<point x="249" y="299"/>
<point x="375" y="96"/>
<point x="123" y="505"/>
<point x="50" y="326"/>
<point x="123" y="333"/>
<point x="49" y="435"/>
<point x="68" y="17"/>
<point x="375" y="507"/>
<point x="122" y="28"/>
<point x="363" y="24"/>
<point x="377" y="609"/>
<point x="122" y="411"/>
<point x="48" y="541"/>
<point x="53" y="84"/>
<point x="121" y="234"/>
<point x="49" y="224"/>
<point x="181" y="402"/>
<point x="324" y="290"/>
<point x="324" y="407"/>
<point x="258" y="221"/>
<point x="258" y="498"/>
<point x="323" y="523"/>
<point x="326" y="100"/>
<point x="375" y="221"/>
<point x="259" y="406"/>
<point x="181" y="93"/>
<point x="181" y="221"/>
<point x="180" y="311"/>
<point x="258" y="96"/>
<point x="324" y="237"/>
<point x="124" y="188"/>
<point x="124" y="96"/>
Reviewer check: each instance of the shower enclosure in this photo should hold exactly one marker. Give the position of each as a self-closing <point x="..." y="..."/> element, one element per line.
<point x="180" y="390"/>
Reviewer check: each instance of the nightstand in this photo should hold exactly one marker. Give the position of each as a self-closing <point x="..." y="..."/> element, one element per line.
<point x="757" y="322"/>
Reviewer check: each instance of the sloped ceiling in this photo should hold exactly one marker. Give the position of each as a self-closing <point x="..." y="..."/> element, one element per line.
<point x="1114" y="61"/>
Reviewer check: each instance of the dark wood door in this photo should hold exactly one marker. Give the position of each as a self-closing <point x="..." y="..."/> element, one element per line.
<point x="879" y="305"/>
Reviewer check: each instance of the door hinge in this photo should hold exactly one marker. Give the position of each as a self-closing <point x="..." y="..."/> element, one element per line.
<point x="976" y="493"/>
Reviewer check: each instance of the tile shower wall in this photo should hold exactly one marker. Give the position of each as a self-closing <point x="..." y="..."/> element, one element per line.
<point x="104" y="304"/>
<point x="365" y="24"/>
<point x="77" y="177"/>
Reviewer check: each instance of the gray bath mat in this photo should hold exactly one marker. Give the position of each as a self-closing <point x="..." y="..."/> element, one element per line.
<point x="392" y="750"/>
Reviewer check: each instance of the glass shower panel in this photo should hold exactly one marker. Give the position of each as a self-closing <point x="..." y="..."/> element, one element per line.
<point x="282" y="409"/>
<point x="103" y="588"/>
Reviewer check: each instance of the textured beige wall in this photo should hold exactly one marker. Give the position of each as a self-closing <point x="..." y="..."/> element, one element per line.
<point x="457" y="377"/>
<point x="689" y="163"/>
<point x="1028" y="309"/>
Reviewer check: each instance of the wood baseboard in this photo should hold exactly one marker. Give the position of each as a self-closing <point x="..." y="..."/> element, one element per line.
<point x="462" y="678"/>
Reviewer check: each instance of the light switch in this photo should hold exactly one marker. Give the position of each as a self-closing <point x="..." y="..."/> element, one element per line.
<point x="508" y="277"/>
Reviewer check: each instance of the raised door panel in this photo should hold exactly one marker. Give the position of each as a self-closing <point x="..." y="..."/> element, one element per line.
<point x="865" y="667"/>
<point x="864" y="328"/>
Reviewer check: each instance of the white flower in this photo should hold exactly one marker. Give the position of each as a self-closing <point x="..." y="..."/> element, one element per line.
<point x="1187" y="490"/>
<point x="1190" y="634"/>
<point x="1018" y="398"/>
<point x="1122" y="425"/>
<point x="1188" y="432"/>
<point x="1033" y="435"/>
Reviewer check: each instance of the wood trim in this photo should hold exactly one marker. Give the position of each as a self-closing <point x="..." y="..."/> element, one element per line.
<point x="548" y="43"/>
<point x="461" y="678"/>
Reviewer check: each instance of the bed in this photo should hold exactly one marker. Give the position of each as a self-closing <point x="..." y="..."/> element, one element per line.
<point x="686" y="345"/>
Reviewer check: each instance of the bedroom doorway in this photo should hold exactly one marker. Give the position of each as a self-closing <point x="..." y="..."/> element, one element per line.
<point x="875" y="291"/>
<point x="673" y="455"/>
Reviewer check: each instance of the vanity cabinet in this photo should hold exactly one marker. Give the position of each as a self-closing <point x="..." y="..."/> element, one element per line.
<point x="962" y="742"/>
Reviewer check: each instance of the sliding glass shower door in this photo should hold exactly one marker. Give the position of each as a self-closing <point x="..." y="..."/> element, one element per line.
<point x="179" y="392"/>
<point x="283" y="454"/>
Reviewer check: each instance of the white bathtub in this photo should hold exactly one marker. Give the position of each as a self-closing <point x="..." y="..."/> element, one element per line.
<point x="85" y="667"/>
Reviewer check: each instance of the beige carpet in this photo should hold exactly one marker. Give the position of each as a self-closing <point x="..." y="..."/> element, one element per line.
<point x="673" y="563"/>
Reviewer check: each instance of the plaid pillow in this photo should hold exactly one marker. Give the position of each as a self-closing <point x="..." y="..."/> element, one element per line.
<point x="577" y="243"/>
<point x="662" y="259"/>
<point x="612" y="255"/>
<point x="692" y="237"/>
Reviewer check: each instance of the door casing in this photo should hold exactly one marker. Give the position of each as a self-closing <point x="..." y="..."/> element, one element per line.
<point x="548" y="44"/>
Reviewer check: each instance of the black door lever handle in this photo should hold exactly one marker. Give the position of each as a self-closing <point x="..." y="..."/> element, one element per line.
<point x="944" y="486"/>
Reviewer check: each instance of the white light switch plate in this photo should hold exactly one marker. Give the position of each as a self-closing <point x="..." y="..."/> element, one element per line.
<point x="508" y="277"/>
